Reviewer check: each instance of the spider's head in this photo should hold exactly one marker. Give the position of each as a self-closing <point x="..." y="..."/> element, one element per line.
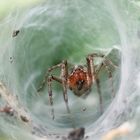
<point x="79" y="81"/>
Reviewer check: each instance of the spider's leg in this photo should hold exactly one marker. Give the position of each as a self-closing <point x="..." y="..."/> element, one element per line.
<point x="96" y="55"/>
<point x="90" y="67"/>
<point x="50" y="78"/>
<point x="92" y="74"/>
<point x="100" y="94"/>
<point x="64" y="75"/>
<point x="108" y="61"/>
<point x="110" y="77"/>
<point x="106" y="64"/>
<point x="90" y="64"/>
<point x="42" y="85"/>
<point x="50" y="96"/>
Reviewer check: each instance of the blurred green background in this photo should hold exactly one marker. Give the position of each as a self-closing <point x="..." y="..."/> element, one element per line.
<point x="6" y="6"/>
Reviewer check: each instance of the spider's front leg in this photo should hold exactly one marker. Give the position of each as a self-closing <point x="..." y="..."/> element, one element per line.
<point x="94" y="76"/>
<point x="43" y="83"/>
<point x="62" y="80"/>
<point x="64" y="76"/>
<point x="95" y="72"/>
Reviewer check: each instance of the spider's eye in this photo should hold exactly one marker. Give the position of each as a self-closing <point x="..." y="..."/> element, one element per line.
<point x="80" y="84"/>
<point x="80" y="67"/>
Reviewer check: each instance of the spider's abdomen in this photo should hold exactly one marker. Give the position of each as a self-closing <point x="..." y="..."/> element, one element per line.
<point x="79" y="81"/>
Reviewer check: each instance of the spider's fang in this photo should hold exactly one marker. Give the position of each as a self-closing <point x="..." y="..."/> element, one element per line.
<point x="80" y="84"/>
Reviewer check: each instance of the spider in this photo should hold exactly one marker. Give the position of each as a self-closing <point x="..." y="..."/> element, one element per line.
<point x="79" y="80"/>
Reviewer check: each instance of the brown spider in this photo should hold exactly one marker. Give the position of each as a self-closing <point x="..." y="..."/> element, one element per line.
<point x="80" y="79"/>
